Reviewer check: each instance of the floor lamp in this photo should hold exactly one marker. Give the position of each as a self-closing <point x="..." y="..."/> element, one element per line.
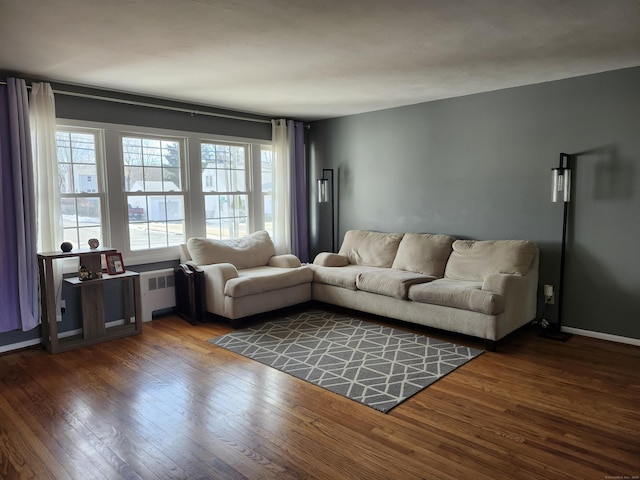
<point x="325" y="195"/>
<point x="561" y="191"/>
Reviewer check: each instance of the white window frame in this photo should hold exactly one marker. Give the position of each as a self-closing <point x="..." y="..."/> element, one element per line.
<point x="248" y="187"/>
<point x="115" y="210"/>
<point x="98" y="134"/>
<point x="181" y="192"/>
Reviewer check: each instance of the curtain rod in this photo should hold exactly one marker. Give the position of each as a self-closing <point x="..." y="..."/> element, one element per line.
<point x="153" y="105"/>
<point x="163" y="107"/>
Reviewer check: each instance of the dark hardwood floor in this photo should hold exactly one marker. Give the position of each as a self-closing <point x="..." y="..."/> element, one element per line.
<point x="168" y="405"/>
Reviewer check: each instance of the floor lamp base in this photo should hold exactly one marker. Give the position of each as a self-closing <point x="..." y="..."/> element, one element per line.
<point x="555" y="335"/>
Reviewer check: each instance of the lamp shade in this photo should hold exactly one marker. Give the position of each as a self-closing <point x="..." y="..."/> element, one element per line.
<point x="323" y="190"/>
<point x="560" y="184"/>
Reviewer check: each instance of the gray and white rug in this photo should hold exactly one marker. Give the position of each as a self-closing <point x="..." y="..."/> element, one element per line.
<point x="375" y="365"/>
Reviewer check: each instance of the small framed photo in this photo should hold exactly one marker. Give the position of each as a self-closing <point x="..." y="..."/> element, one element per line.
<point x="115" y="265"/>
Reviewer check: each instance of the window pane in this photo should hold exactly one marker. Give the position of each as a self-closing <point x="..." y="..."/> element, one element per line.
<point x="133" y="179"/>
<point x="158" y="235"/>
<point x="208" y="180"/>
<point x="132" y="151"/>
<point x="226" y="216"/>
<point x="153" y="180"/>
<point x="65" y="177"/>
<point x="68" y="208"/>
<point x="171" y="177"/>
<point x="138" y="236"/>
<point x="156" y="221"/>
<point x="85" y="233"/>
<point x="238" y="157"/>
<point x="88" y="211"/>
<point x="137" y="207"/>
<point x="151" y="165"/>
<point x="239" y="182"/>
<point x="268" y="213"/>
<point x="71" y="235"/>
<point x="86" y="178"/>
<point x="223" y="181"/>
<point x="83" y="148"/>
<point x="266" y="162"/>
<point x="63" y="142"/>
<point x="223" y="167"/>
<point x="174" y="206"/>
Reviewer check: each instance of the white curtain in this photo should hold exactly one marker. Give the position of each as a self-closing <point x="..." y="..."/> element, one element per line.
<point x="283" y="137"/>
<point x="42" y="117"/>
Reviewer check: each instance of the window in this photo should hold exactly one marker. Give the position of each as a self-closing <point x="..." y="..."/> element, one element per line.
<point x="144" y="191"/>
<point x="226" y="189"/>
<point x="155" y="196"/>
<point x="80" y="178"/>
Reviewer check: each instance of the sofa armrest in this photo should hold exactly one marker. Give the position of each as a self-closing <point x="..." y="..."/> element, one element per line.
<point x="284" y="261"/>
<point x="326" y="259"/>
<point x="520" y="294"/>
<point x="216" y="277"/>
<point x="191" y="263"/>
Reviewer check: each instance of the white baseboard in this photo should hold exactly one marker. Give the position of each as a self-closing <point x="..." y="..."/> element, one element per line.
<point x="19" y="345"/>
<point x="37" y="341"/>
<point x="602" y="336"/>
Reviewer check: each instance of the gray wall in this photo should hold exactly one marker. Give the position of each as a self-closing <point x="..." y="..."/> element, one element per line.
<point x="88" y="109"/>
<point x="479" y="167"/>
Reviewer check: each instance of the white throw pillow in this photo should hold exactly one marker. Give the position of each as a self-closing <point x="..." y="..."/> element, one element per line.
<point x="424" y="253"/>
<point x="253" y="250"/>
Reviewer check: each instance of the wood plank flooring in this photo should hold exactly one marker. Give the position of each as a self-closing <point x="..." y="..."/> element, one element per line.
<point x="168" y="405"/>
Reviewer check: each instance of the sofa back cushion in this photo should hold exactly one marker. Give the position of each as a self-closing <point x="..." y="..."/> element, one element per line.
<point x="424" y="253"/>
<point x="363" y="247"/>
<point x="475" y="259"/>
<point x="253" y="250"/>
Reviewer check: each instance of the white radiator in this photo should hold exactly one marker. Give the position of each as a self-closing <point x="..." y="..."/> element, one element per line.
<point x="157" y="292"/>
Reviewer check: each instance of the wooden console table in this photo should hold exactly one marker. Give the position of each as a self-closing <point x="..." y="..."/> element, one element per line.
<point x="94" y="329"/>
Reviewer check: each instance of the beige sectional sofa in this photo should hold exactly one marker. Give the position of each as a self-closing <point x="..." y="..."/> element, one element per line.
<point x="244" y="276"/>
<point x="486" y="289"/>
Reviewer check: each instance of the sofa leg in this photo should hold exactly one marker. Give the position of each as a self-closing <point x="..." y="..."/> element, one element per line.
<point x="490" y="345"/>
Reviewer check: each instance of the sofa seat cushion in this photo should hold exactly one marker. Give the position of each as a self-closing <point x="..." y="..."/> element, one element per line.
<point x="363" y="247"/>
<point x="424" y="253"/>
<point x="390" y="282"/>
<point x="475" y="259"/>
<point x="251" y="281"/>
<point x="466" y="295"/>
<point x="344" y="277"/>
<point x="246" y="252"/>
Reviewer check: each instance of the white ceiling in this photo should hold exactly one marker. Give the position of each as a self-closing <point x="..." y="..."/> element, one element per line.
<point x="312" y="59"/>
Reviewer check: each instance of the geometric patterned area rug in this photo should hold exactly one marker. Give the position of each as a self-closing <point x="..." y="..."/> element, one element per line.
<point x="375" y="365"/>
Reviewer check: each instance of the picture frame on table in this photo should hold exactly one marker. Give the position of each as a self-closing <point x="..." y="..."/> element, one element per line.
<point x="115" y="265"/>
